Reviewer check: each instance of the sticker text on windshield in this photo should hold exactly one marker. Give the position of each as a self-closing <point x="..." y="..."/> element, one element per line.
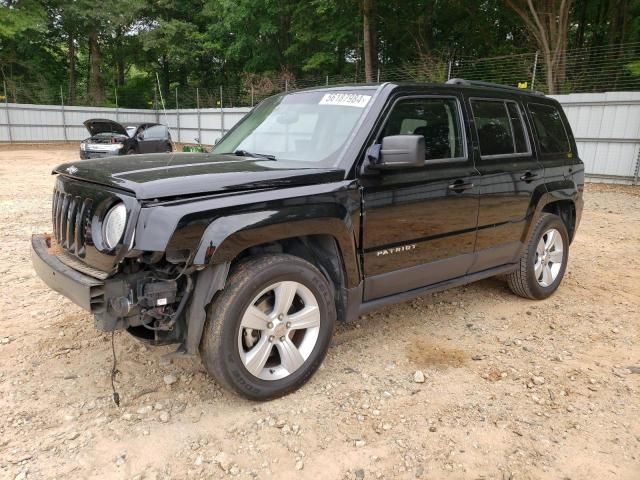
<point x="345" y="99"/>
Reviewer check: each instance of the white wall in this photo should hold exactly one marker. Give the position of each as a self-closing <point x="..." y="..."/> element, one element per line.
<point x="40" y="123"/>
<point x="606" y="127"/>
<point x="607" y="130"/>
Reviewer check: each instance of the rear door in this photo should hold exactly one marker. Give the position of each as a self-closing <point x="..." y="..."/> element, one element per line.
<point x="419" y="224"/>
<point x="510" y="177"/>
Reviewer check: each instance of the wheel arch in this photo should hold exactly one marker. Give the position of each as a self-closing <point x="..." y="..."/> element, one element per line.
<point x="562" y="202"/>
<point x="229" y="238"/>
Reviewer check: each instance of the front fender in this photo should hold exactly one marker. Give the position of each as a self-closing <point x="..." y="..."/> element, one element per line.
<point x="226" y="237"/>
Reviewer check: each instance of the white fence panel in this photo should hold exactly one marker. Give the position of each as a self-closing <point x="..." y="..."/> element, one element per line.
<point x="606" y="127"/>
<point x="607" y="130"/>
<point x="42" y="123"/>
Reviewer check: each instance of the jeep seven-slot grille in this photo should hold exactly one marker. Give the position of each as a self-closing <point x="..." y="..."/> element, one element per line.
<point x="71" y="216"/>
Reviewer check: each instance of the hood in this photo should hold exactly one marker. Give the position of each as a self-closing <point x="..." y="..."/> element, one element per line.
<point x="102" y="125"/>
<point x="162" y="175"/>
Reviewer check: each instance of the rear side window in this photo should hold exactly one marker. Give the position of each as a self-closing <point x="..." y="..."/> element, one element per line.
<point x="436" y="119"/>
<point x="500" y="128"/>
<point x="552" y="135"/>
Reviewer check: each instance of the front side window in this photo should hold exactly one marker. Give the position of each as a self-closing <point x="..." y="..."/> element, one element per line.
<point x="500" y="128"/>
<point x="302" y="126"/>
<point x="550" y="129"/>
<point x="155" y="132"/>
<point x="436" y="119"/>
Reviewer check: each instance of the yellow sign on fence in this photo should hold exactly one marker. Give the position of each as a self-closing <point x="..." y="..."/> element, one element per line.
<point x="523" y="84"/>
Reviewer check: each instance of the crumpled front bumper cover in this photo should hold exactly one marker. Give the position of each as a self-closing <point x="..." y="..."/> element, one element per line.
<point x="81" y="289"/>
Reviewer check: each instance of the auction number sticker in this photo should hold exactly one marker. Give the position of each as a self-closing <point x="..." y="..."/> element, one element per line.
<point x="345" y="99"/>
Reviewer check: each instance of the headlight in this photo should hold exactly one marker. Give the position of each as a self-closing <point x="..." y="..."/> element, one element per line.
<point x="113" y="226"/>
<point x="83" y="146"/>
<point x="114" y="146"/>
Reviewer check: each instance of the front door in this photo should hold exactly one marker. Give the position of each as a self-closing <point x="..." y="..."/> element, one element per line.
<point x="510" y="177"/>
<point x="154" y="139"/>
<point x="419" y="224"/>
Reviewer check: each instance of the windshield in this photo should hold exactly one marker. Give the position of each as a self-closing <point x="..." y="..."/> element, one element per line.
<point x="301" y="126"/>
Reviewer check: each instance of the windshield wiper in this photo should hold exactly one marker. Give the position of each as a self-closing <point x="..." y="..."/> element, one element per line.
<point x="245" y="153"/>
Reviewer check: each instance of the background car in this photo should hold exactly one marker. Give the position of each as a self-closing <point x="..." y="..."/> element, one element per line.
<point x="110" y="138"/>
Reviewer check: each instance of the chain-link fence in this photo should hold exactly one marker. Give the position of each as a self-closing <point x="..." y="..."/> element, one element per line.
<point x="597" y="69"/>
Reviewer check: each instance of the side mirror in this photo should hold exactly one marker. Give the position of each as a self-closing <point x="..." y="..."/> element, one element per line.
<point x="141" y="136"/>
<point x="397" y="151"/>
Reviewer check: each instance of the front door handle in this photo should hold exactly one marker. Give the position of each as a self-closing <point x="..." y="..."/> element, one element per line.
<point x="527" y="177"/>
<point x="459" y="186"/>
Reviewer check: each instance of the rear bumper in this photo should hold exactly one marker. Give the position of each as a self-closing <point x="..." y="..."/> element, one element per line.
<point x="81" y="289"/>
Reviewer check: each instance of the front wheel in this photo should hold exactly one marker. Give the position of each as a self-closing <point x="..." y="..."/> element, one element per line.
<point x="544" y="261"/>
<point x="268" y="331"/>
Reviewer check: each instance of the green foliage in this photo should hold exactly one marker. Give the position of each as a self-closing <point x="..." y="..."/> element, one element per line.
<point x="255" y="47"/>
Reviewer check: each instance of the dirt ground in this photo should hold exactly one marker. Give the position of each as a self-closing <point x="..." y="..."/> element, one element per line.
<point x="513" y="389"/>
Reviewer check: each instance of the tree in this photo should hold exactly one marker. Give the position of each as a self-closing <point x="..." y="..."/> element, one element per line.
<point x="368" y="39"/>
<point x="548" y="22"/>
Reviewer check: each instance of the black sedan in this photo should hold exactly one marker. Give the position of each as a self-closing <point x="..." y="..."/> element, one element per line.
<point x="110" y="138"/>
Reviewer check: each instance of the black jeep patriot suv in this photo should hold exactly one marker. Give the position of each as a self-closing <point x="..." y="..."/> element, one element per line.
<point x="318" y="206"/>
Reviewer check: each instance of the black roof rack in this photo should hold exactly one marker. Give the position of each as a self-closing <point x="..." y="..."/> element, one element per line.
<point x="477" y="83"/>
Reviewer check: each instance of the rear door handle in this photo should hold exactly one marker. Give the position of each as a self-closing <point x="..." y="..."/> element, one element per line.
<point x="527" y="177"/>
<point x="459" y="186"/>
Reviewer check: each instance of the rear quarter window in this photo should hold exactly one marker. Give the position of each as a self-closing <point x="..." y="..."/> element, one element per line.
<point x="550" y="129"/>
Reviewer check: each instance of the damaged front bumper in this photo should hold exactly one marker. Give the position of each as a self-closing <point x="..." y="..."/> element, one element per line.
<point x="83" y="290"/>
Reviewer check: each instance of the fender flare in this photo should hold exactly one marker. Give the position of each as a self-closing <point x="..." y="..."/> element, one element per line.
<point x="226" y="237"/>
<point x="550" y="196"/>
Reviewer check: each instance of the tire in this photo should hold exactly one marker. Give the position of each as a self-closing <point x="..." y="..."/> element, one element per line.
<point x="131" y="151"/>
<point x="538" y="274"/>
<point x="228" y="348"/>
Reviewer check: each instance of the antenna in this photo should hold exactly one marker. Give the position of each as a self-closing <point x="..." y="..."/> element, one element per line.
<point x="164" y="110"/>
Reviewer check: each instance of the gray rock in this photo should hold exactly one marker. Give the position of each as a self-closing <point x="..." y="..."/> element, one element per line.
<point x="537" y="380"/>
<point x="359" y="474"/>
<point x="223" y="461"/>
<point x="418" y="377"/>
<point x="170" y="379"/>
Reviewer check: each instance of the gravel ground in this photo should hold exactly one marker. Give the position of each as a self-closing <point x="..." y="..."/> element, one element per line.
<point x="466" y="384"/>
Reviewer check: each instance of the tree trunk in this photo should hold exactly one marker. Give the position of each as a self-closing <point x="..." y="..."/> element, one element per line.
<point x="165" y="77"/>
<point x="96" y="86"/>
<point x="120" y="65"/>
<point x="121" y="71"/>
<point x="368" y="34"/>
<point x="72" y="69"/>
<point x="548" y="22"/>
<point x="581" y="25"/>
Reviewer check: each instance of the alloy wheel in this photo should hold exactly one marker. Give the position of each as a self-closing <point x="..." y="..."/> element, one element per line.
<point x="549" y="257"/>
<point x="279" y="330"/>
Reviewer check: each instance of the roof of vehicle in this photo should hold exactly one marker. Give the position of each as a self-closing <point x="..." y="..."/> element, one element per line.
<point x="454" y="83"/>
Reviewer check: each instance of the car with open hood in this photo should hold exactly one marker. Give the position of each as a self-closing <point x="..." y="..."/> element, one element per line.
<point x="109" y="138"/>
<point x="318" y="206"/>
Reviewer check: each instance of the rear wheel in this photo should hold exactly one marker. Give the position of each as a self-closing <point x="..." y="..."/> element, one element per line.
<point x="544" y="261"/>
<point x="268" y="331"/>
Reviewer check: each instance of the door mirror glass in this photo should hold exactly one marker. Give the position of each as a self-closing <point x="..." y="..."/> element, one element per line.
<point x="397" y="151"/>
